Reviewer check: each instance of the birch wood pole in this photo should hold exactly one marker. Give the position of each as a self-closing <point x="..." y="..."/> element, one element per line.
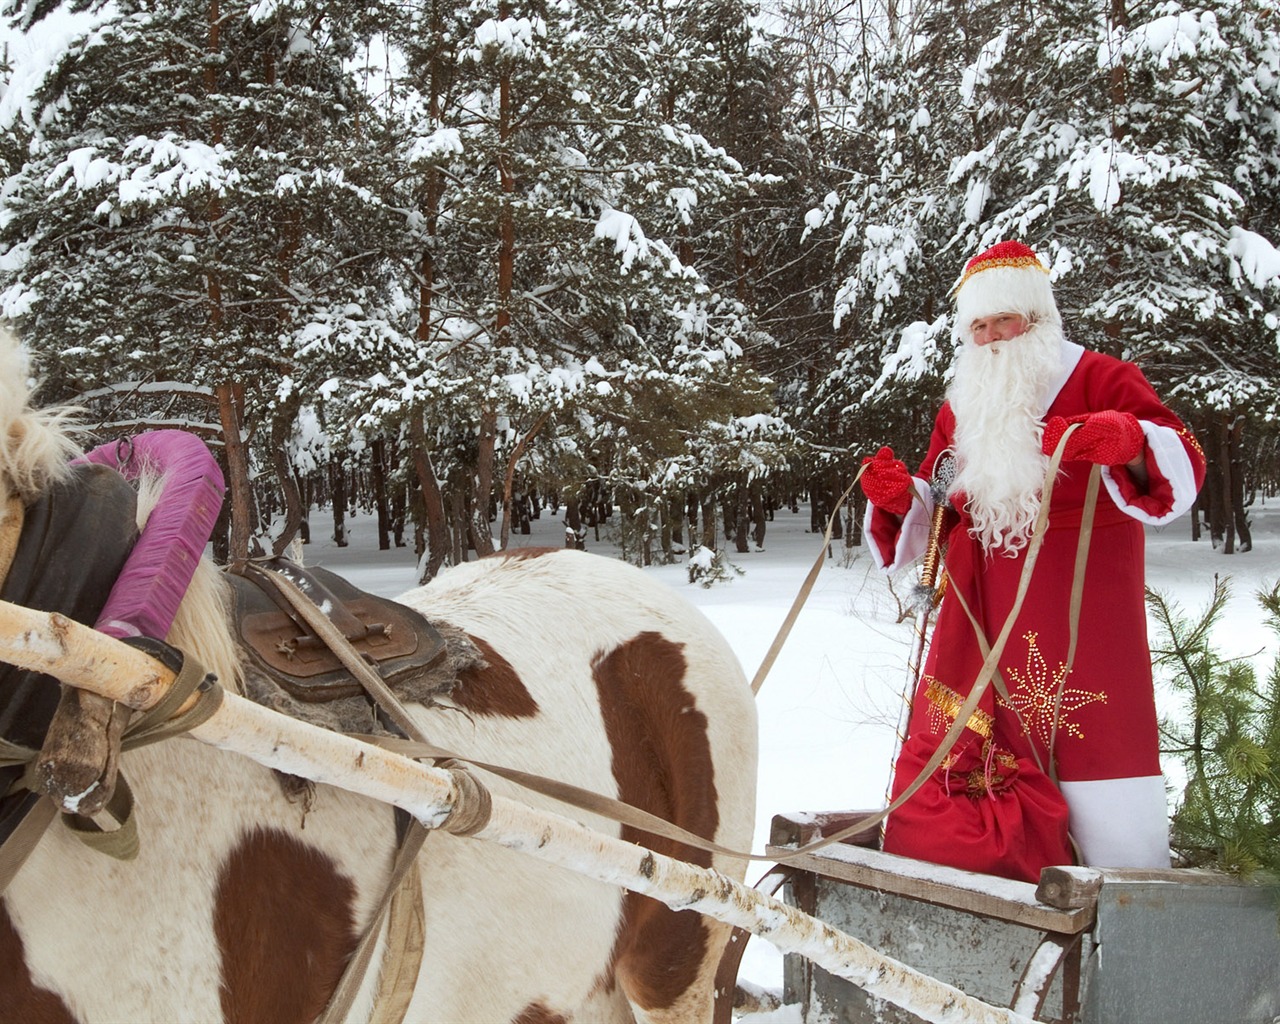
<point x="83" y="657"/>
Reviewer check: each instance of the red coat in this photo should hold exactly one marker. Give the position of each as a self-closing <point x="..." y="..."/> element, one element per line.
<point x="1106" y="727"/>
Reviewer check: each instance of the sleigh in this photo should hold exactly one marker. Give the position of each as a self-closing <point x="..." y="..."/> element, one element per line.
<point x="1085" y="946"/>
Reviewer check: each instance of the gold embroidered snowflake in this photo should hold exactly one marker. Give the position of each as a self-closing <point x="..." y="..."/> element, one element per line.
<point x="1034" y="692"/>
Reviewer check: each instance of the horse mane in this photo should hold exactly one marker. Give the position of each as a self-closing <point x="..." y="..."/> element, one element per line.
<point x="35" y="446"/>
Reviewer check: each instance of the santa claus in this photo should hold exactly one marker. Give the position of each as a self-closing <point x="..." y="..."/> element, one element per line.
<point x="1058" y="759"/>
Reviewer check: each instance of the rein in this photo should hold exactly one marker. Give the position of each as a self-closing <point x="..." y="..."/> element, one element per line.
<point x="785" y="629"/>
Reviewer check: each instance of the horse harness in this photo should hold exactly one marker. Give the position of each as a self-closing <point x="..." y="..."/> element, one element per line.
<point x="63" y="554"/>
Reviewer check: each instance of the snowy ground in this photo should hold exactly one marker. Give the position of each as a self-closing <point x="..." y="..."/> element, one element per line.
<point x="829" y="706"/>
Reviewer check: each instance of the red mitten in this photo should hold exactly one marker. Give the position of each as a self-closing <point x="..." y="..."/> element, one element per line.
<point x="886" y="482"/>
<point x="1109" y="438"/>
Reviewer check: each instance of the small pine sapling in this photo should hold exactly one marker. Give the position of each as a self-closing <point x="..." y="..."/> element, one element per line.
<point x="1228" y="739"/>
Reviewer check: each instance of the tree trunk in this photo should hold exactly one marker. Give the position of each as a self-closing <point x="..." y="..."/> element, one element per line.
<point x="1234" y="435"/>
<point x="575" y="534"/>
<point x="432" y="500"/>
<point x="644" y="529"/>
<point x="481" y="533"/>
<point x="1211" y="494"/>
<point x="231" y="412"/>
<point x="460" y="524"/>
<point x="509" y="479"/>
<point x="741" y="518"/>
<point x="853" y="533"/>
<point x="378" y="474"/>
<point x="759" y="517"/>
<point x="338" y="494"/>
<point x="1227" y="485"/>
<point x="398" y="512"/>
<point x="222" y="527"/>
<point x="709" y="523"/>
<point x="281" y="427"/>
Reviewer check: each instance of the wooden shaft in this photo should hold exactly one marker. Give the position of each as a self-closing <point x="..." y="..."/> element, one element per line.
<point x="82" y="656"/>
<point x="933" y="552"/>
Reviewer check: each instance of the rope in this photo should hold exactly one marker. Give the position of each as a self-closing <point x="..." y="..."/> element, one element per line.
<point x="785" y="629"/>
<point x="574" y="796"/>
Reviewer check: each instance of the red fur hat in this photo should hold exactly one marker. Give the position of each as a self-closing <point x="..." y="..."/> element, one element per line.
<point x="1007" y="278"/>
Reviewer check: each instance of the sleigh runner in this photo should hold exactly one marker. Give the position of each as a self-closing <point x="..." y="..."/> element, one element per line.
<point x="1085" y="946"/>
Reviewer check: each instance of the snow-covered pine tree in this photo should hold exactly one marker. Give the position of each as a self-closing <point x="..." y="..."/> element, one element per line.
<point x="195" y="206"/>
<point x="548" y="192"/>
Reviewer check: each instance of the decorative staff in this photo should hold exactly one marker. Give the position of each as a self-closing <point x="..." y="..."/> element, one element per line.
<point x="924" y="596"/>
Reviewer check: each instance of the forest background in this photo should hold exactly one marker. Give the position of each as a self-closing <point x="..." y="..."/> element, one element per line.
<point x="689" y="259"/>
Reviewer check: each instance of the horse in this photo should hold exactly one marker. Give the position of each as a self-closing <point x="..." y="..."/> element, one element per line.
<point x="246" y="898"/>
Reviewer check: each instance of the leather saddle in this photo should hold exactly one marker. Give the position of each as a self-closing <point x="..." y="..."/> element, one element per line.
<point x="397" y="641"/>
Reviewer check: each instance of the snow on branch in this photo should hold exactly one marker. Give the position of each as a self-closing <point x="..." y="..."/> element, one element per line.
<point x="441" y="143"/>
<point x="147" y="170"/>
<point x="626" y="233"/>
<point x="510" y="37"/>
<point x="149" y="387"/>
<point x="917" y="354"/>
<point x="979" y="72"/>
<point x="1254" y="257"/>
<point x="1170" y="38"/>
<point x="1105" y="167"/>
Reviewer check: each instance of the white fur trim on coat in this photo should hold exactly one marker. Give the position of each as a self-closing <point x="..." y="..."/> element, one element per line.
<point x="1071" y="356"/>
<point x="913" y="537"/>
<point x="1120" y="823"/>
<point x="1170" y="455"/>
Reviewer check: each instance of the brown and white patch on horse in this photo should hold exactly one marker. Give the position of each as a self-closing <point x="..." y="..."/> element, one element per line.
<point x="538" y="1013"/>
<point x="21" y="999"/>
<point x="494" y="688"/>
<point x="285" y="926"/>
<point x="663" y="764"/>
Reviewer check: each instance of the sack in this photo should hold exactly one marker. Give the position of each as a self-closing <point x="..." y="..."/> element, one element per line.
<point x="983" y="810"/>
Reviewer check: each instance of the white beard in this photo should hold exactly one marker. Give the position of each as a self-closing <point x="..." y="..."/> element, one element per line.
<point x="999" y="396"/>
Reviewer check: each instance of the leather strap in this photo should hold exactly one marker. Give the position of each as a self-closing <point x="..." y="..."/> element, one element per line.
<point x="404" y="887"/>
<point x="1077" y="600"/>
<point x="785" y="629"/>
<point x="30" y="820"/>
<point x="405" y="942"/>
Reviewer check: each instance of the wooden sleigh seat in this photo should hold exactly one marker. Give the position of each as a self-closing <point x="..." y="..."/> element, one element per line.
<point x="1085" y="946"/>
